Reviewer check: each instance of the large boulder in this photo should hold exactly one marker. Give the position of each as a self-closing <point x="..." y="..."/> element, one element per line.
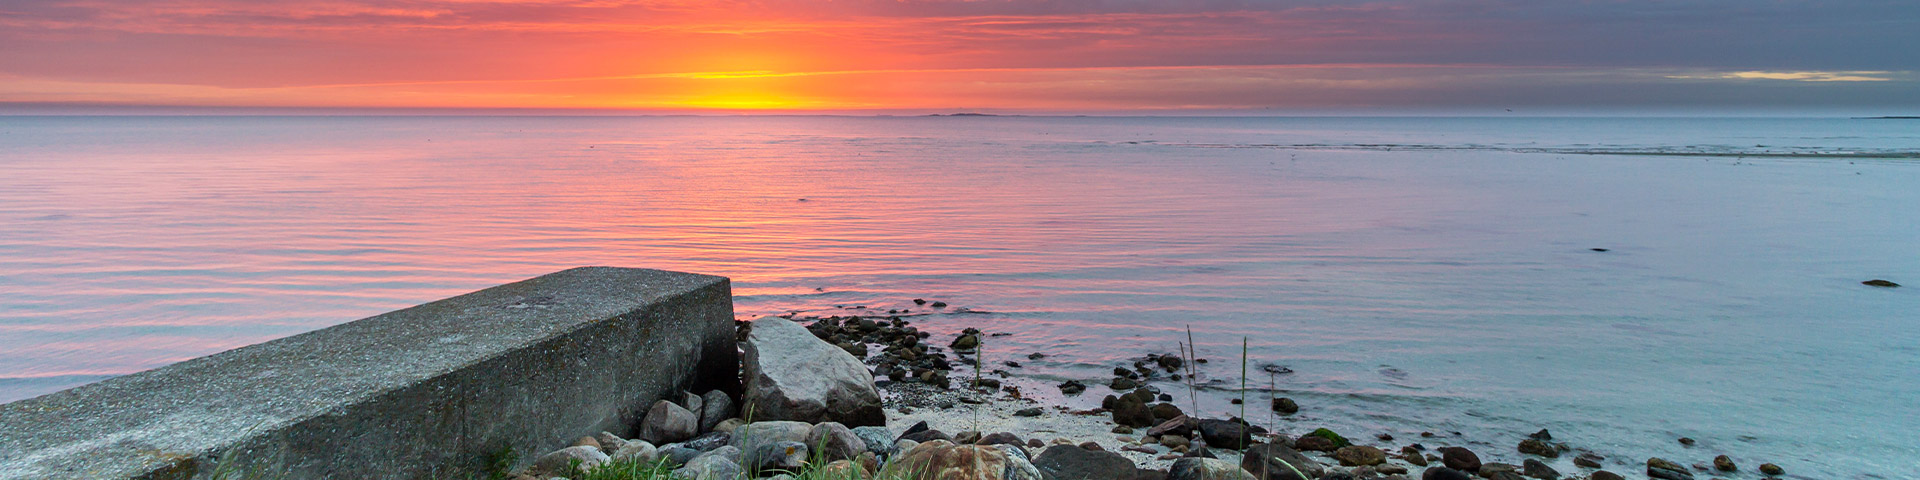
<point x="668" y="423"/>
<point x="835" y="442"/>
<point x="1069" y="462"/>
<point x="1268" y="461"/>
<point x="942" y="460"/>
<point x="1197" y="468"/>
<point x="793" y="375"/>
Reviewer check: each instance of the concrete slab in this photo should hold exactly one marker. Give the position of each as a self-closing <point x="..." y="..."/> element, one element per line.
<point x="427" y="392"/>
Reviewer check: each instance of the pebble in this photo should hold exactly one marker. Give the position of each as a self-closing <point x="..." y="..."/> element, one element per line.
<point x="1072" y="387"/>
<point x="1771" y="469"/>
<point x="1536" y="469"/>
<point x="1588" y="459"/>
<point x="1537" y="447"/>
<point x="1724" y="464"/>
<point x="1413" y="456"/>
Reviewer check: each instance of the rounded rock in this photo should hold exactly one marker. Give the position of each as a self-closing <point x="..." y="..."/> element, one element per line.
<point x="564" y="460"/>
<point x="835" y="441"/>
<point x="1459" y="458"/>
<point x="1197" y="468"/>
<point x="1444" y="473"/>
<point x="1360" y="455"/>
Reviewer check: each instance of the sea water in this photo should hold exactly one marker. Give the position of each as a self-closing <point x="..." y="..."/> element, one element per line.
<point x="1411" y="274"/>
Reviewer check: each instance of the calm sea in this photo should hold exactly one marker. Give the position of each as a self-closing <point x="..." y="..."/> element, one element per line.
<point x="1414" y="274"/>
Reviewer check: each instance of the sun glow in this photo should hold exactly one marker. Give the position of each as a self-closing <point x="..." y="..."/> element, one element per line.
<point x="743" y="100"/>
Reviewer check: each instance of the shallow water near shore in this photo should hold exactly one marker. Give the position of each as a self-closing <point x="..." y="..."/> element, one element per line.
<point x="1414" y="274"/>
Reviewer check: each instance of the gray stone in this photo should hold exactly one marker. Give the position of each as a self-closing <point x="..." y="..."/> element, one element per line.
<point x="694" y="404"/>
<point x="609" y="442"/>
<point x="1019" y="465"/>
<point x="728" y="452"/>
<point x="879" y="440"/>
<point x="404" y="394"/>
<point x="667" y="422"/>
<point x="1002" y="438"/>
<point x="1669" y="474"/>
<point x="710" y="467"/>
<point x="1459" y="458"/>
<point x="1537" y="469"/>
<point x="1130" y="411"/>
<point x="1359" y="455"/>
<point x="716" y="407"/>
<point x="775" y="456"/>
<point x="835" y="442"/>
<point x="1444" y="473"/>
<point x="1588" y="460"/>
<point x="564" y="460"/>
<point x="676" y="455"/>
<point x="793" y="375"/>
<point x="920" y="432"/>
<point x="636" y="450"/>
<point x="942" y="459"/>
<point x="1012" y="451"/>
<point x="708" y="441"/>
<point x="728" y="425"/>
<point x="1268" y="461"/>
<point x="752" y="435"/>
<point x="1198" y="468"/>
<point x="1538" y="447"/>
<point x="1068" y="462"/>
<point x="1225" y="434"/>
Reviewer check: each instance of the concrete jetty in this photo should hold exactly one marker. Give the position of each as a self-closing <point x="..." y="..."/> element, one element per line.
<point x="432" y="391"/>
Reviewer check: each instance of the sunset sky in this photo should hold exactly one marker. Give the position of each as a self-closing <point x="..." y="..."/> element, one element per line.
<point x="1065" y="56"/>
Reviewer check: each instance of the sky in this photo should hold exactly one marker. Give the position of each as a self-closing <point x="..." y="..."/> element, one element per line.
<point x="970" y="55"/>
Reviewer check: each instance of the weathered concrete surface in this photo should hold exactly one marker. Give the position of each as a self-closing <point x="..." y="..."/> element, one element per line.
<point x="425" y="392"/>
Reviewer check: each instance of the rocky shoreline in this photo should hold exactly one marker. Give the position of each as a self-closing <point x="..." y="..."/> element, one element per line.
<point x="870" y="397"/>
